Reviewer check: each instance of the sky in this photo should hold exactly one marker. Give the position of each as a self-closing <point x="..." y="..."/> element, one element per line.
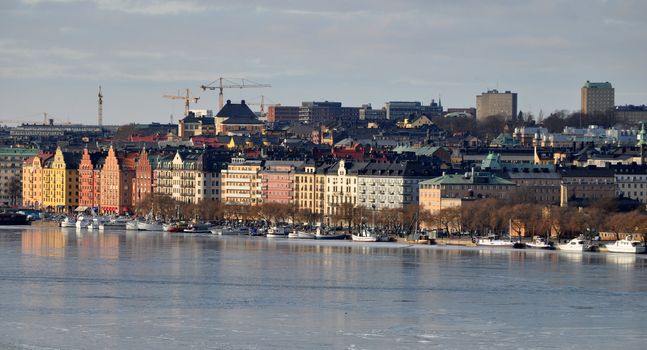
<point x="55" y="53"/>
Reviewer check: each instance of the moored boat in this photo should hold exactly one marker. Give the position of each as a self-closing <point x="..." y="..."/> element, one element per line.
<point x="132" y="225"/>
<point x="82" y="222"/>
<point x="364" y="235"/>
<point x="229" y="231"/>
<point x="68" y="222"/>
<point x="14" y="219"/>
<point x="114" y="224"/>
<point x="149" y="226"/>
<point x="626" y="245"/>
<point x="540" y="243"/>
<point x="574" y="245"/>
<point x="494" y="241"/>
<point x="305" y="235"/>
<point x="277" y="232"/>
<point x="198" y="228"/>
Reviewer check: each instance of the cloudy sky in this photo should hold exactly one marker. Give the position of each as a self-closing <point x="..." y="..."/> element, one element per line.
<point x="55" y="53"/>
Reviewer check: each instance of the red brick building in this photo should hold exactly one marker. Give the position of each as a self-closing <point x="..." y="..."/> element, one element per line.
<point x="90" y="179"/>
<point x="116" y="182"/>
<point x="143" y="180"/>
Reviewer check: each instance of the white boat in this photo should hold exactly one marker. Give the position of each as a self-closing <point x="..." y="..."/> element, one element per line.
<point x="574" y="245"/>
<point x="229" y="231"/>
<point x="92" y="226"/>
<point x="149" y="226"/>
<point x="68" y="222"/>
<point x="626" y="245"/>
<point x="82" y="222"/>
<point x="540" y="243"/>
<point x="277" y="231"/>
<point x="305" y="235"/>
<point x="364" y="235"/>
<point x="132" y="225"/>
<point x="494" y="241"/>
<point x="198" y="228"/>
<point x="114" y="224"/>
<point x="293" y="234"/>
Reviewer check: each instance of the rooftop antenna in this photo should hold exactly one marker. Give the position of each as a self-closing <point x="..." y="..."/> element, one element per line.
<point x="100" y="111"/>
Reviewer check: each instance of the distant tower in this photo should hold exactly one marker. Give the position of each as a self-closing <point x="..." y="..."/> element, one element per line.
<point x="100" y="112"/>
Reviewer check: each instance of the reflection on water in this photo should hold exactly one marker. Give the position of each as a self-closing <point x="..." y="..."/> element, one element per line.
<point x="155" y="290"/>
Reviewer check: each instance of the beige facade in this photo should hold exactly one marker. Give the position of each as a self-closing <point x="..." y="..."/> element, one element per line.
<point x="187" y="177"/>
<point x="341" y="187"/>
<point x="241" y="182"/>
<point x="310" y="188"/>
<point x="494" y="102"/>
<point x="597" y="97"/>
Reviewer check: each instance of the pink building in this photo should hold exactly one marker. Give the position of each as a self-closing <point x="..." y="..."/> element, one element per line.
<point x="277" y="180"/>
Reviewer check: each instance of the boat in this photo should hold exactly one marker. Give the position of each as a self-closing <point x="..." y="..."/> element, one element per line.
<point x="293" y="234"/>
<point x="277" y="232"/>
<point x="68" y="222"/>
<point x="132" y="225"/>
<point x="149" y="226"/>
<point x="321" y="234"/>
<point x="198" y="228"/>
<point x="574" y="245"/>
<point x="82" y="221"/>
<point x="14" y="219"/>
<point x="305" y="235"/>
<point x="494" y="241"/>
<point x="364" y="235"/>
<point x="229" y="231"/>
<point x="540" y="243"/>
<point x="175" y="227"/>
<point x="114" y="224"/>
<point x="626" y="245"/>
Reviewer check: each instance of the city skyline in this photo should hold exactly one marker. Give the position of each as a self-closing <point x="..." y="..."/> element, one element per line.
<point x="55" y="53"/>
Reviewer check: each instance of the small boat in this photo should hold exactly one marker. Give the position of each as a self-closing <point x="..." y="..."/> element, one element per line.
<point x="149" y="226"/>
<point x="14" y="219"/>
<point x="277" y="232"/>
<point x="494" y="241"/>
<point x="132" y="225"/>
<point x="364" y="235"/>
<point x="293" y="234"/>
<point x="68" y="222"/>
<point x="540" y="243"/>
<point x="82" y="222"/>
<point x="198" y="228"/>
<point x="626" y="245"/>
<point x="114" y="224"/>
<point x="305" y="235"/>
<point x="229" y="231"/>
<point x="175" y="227"/>
<point x="574" y="245"/>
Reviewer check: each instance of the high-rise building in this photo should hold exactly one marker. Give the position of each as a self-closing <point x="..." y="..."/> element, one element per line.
<point x="282" y="114"/>
<point x="498" y="103"/>
<point x="404" y="109"/>
<point x="597" y="97"/>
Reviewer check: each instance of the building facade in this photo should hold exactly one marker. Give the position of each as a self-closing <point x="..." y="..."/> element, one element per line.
<point x="498" y="103"/>
<point x="188" y="176"/>
<point x="241" y="182"/>
<point x="60" y="182"/>
<point x="90" y="179"/>
<point x="11" y="160"/>
<point x="597" y="97"/>
<point x="116" y="183"/>
<point x="143" y="180"/>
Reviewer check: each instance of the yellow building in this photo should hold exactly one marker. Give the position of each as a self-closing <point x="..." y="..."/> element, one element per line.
<point x="310" y="188"/>
<point x="341" y="187"/>
<point x="60" y="182"/>
<point x="32" y="180"/>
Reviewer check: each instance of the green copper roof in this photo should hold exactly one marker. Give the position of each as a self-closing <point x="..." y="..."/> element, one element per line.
<point x="598" y="85"/>
<point x="458" y="179"/>
<point x="641" y="136"/>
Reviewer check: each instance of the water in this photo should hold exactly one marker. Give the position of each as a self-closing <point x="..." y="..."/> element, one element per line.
<point x="60" y="289"/>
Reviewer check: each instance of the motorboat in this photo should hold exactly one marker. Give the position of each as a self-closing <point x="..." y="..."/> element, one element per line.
<point x="540" y="243"/>
<point x="176" y="227"/>
<point x="574" y="245"/>
<point x="293" y="234"/>
<point x="494" y="241"/>
<point x="302" y="235"/>
<point x="230" y="231"/>
<point x="198" y="228"/>
<point x="114" y="224"/>
<point x="82" y="222"/>
<point x="321" y="234"/>
<point x="364" y="235"/>
<point x="132" y="225"/>
<point x="277" y="232"/>
<point x="149" y="226"/>
<point x="626" y="245"/>
<point x="68" y="222"/>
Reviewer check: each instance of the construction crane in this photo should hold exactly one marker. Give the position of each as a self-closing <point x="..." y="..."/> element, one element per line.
<point x="187" y="100"/>
<point x="26" y="121"/>
<point x="224" y="83"/>
<point x="100" y="108"/>
<point x="262" y="104"/>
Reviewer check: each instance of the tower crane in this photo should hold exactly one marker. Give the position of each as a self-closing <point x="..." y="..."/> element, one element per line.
<point x="224" y="83"/>
<point x="262" y="104"/>
<point x="187" y="99"/>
